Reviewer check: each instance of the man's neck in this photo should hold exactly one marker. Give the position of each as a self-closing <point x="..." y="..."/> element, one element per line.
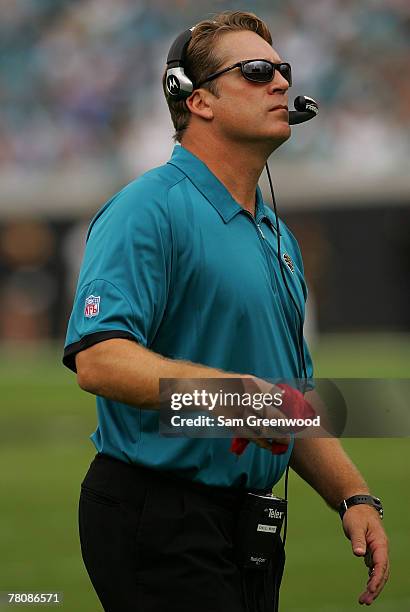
<point x="237" y="167"/>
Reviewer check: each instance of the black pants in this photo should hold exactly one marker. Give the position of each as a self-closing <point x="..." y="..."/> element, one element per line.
<point x="152" y="542"/>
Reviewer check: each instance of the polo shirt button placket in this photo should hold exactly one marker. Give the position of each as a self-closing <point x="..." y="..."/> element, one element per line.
<point x="260" y="230"/>
<point x="266" y="250"/>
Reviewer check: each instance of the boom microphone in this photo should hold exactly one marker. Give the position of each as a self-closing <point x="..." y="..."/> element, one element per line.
<point x="306" y="108"/>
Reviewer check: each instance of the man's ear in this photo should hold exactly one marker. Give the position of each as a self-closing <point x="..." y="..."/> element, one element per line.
<point x="200" y="103"/>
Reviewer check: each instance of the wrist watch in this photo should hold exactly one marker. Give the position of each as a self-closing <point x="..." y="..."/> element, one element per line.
<point x="361" y="499"/>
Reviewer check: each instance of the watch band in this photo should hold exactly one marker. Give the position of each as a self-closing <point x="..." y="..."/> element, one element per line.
<point x="370" y="500"/>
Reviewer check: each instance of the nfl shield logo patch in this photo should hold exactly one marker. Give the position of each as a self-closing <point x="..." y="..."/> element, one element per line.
<point x="92" y="306"/>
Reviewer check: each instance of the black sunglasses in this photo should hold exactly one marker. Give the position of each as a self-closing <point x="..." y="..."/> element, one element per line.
<point x="256" y="70"/>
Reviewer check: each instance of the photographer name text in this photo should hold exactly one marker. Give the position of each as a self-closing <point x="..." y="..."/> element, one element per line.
<point x="249" y="421"/>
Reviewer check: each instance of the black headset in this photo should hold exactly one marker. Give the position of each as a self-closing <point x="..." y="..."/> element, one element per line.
<point x="178" y="85"/>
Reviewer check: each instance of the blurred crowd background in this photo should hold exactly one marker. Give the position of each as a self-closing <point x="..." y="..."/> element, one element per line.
<point x="82" y="113"/>
<point x="78" y="79"/>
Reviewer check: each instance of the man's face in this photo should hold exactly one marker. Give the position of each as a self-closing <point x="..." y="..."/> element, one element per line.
<point x="243" y="111"/>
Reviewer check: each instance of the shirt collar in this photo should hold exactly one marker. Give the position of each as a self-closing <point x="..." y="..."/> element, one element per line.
<point x="210" y="186"/>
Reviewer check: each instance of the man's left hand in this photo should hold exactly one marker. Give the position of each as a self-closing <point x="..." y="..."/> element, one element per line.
<point x="363" y="527"/>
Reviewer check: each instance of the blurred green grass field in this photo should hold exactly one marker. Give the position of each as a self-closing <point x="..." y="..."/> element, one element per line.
<point x="45" y="421"/>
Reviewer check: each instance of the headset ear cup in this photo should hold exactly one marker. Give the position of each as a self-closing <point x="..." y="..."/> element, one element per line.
<point x="178" y="85"/>
<point x="173" y="86"/>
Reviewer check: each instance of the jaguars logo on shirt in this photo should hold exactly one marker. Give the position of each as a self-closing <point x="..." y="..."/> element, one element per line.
<point x="288" y="262"/>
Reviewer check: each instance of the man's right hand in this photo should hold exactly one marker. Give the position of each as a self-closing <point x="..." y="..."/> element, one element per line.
<point x="293" y="406"/>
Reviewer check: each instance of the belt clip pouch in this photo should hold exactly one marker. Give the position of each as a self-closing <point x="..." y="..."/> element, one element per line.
<point x="260" y="551"/>
<point x="259" y="525"/>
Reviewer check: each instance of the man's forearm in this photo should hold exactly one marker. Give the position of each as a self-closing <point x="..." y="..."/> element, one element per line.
<point x="323" y="464"/>
<point x="126" y="372"/>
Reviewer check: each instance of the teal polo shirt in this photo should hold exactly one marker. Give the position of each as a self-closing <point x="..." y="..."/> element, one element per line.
<point x="174" y="263"/>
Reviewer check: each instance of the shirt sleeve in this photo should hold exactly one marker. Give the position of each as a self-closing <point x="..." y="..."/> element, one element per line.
<point x="125" y="274"/>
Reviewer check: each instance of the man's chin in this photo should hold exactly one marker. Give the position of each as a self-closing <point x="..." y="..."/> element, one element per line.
<point x="282" y="133"/>
<point x="278" y="136"/>
<point x="273" y="137"/>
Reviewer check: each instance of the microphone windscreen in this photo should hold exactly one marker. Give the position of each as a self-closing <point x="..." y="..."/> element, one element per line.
<point x="300" y="103"/>
<point x="304" y="103"/>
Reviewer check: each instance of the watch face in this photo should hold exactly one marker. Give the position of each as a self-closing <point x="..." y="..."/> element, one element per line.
<point x="377" y="502"/>
<point x="378" y="506"/>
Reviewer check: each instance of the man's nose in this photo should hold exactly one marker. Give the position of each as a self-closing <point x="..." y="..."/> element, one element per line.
<point x="279" y="83"/>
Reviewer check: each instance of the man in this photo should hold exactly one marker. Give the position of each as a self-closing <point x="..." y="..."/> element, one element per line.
<point x="180" y="280"/>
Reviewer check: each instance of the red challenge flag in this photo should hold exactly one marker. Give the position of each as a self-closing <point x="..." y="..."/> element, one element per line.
<point x="294" y="406"/>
